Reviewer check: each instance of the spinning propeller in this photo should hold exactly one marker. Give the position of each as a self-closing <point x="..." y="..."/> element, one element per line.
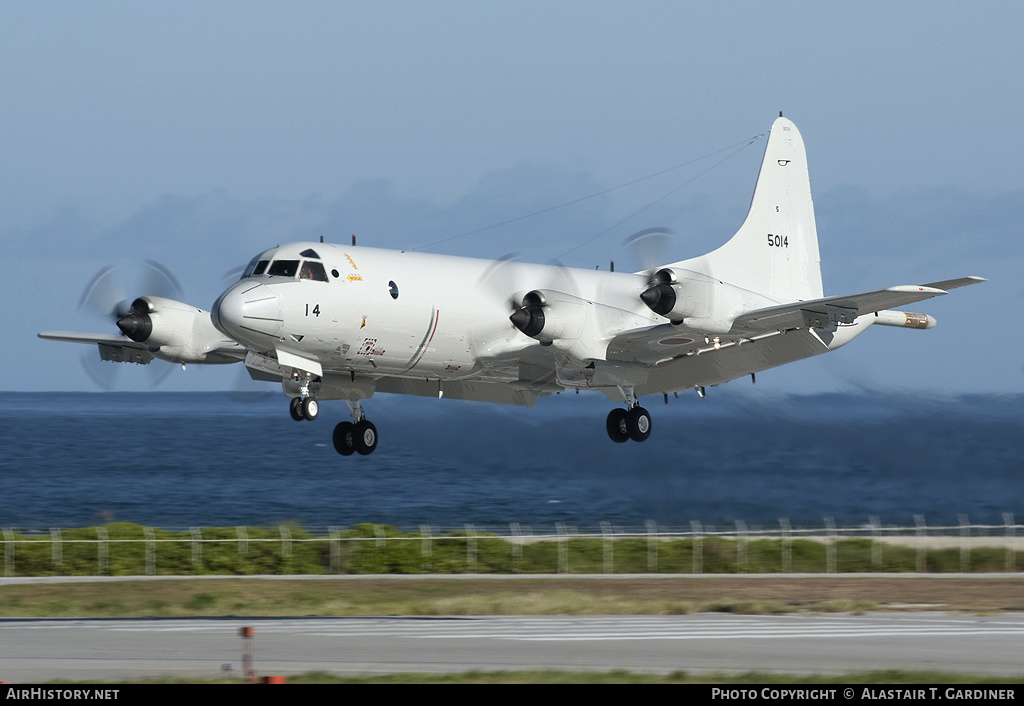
<point x="650" y="247"/>
<point x="528" y="312"/>
<point x="106" y="296"/>
<point x="105" y="293"/>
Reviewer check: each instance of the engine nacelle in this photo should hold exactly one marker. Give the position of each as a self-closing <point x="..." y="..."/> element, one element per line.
<point x="174" y="331"/>
<point x="577" y="329"/>
<point x="550" y="316"/>
<point x="680" y="294"/>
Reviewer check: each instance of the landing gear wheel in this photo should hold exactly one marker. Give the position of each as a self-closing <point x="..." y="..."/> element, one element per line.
<point x="638" y="422"/>
<point x="364" y="437"/>
<point x="618" y="430"/>
<point x="295" y="409"/>
<point x="310" y="408"/>
<point x="344" y="439"/>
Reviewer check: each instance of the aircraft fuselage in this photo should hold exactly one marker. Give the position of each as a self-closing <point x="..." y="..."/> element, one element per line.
<point x="409" y="314"/>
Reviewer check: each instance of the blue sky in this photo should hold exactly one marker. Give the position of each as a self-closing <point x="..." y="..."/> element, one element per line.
<point x="197" y="134"/>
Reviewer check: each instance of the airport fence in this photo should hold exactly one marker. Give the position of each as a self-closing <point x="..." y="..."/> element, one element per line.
<point x="130" y="549"/>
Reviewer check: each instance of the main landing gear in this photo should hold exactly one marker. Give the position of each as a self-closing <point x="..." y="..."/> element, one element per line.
<point x="634" y="422"/>
<point x="358" y="436"/>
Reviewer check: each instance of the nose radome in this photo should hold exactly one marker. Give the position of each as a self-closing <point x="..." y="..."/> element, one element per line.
<point x="248" y="312"/>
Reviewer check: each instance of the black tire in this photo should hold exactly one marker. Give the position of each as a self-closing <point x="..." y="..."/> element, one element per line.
<point x="344" y="439"/>
<point x="295" y="409"/>
<point x="618" y="431"/>
<point x="364" y="437"/>
<point x="638" y="421"/>
<point x="310" y="408"/>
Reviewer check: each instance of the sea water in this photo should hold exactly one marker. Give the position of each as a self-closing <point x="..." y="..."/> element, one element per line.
<point x="207" y="459"/>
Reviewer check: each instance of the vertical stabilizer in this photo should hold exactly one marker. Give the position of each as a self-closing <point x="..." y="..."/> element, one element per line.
<point x="775" y="251"/>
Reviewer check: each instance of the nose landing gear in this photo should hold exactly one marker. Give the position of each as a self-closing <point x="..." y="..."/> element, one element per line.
<point x="305" y="405"/>
<point x="303" y="408"/>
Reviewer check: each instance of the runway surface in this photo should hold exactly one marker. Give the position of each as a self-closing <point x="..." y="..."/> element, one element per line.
<point x="34" y="650"/>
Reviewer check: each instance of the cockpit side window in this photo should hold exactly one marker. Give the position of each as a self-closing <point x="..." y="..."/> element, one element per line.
<point x="249" y="268"/>
<point x="313" y="270"/>
<point x="283" y="268"/>
<point x="256" y="266"/>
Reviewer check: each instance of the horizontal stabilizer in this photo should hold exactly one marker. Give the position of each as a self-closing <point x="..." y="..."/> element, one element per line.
<point x="842" y="308"/>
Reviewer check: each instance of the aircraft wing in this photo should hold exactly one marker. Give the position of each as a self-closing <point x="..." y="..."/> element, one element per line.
<point x="657" y="344"/>
<point x="73" y="337"/>
<point x="843" y="308"/>
<point x="948" y="284"/>
<point x="119" y="349"/>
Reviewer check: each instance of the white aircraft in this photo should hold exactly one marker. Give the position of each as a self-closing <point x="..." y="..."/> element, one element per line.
<point x="343" y="322"/>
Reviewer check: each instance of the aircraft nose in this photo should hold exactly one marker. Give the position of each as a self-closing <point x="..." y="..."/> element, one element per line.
<point x="248" y="312"/>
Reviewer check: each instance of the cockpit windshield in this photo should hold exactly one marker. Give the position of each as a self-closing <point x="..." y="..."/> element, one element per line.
<point x="306" y="269"/>
<point x="283" y="268"/>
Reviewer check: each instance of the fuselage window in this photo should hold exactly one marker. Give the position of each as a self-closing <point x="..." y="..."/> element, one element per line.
<point x="313" y="270"/>
<point x="393" y="288"/>
<point x="284" y="268"/>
